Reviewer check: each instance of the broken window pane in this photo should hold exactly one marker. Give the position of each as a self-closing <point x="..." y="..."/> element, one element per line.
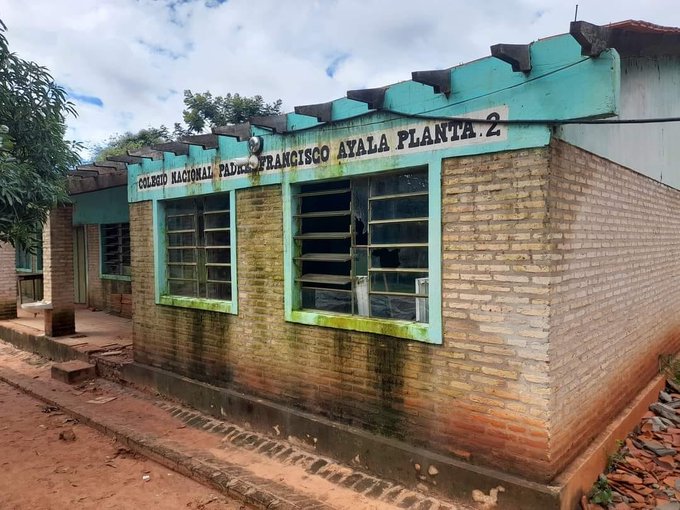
<point x="393" y="307"/>
<point x="400" y="207"/>
<point x="354" y="241"/>
<point x="327" y="300"/>
<point x="399" y="233"/>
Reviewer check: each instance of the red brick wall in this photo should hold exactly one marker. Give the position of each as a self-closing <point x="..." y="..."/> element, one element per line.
<point x="95" y="292"/>
<point x="58" y="271"/>
<point x="615" y="296"/>
<point x="465" y="395"/>
<point x="8" y="282"/>
<point x="495" y="305"/>
<point x="534" y="339"/>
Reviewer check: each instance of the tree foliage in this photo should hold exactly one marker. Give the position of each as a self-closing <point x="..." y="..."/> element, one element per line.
<point x="205" y="110"/>
<point x="34" y="157"/>
<point x="121" y="144"/>
<point x="202" y="111"/>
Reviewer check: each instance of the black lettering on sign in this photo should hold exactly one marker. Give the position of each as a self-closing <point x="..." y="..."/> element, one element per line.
<point x="342" y="153"/>
<point x="372" y="148"/>
<point x="426" y="134"/>
<point x="350" y="145"/>
<point x="402" y="135"/>
<point x="361" y="149"/>
<point x="492" y="131"/>
<point x="440" y="132"/>
<point x="427" y="137"/>
<point x="468" y="131"/>
<point x="384" y="146"/>
<point x="454" y="125"/>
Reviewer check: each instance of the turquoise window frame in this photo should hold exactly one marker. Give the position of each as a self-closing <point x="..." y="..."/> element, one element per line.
<point x="34" y="261"/>
<point x="102" y="274"/>
<point x="410" y="330"/>
<point x="162" y="297"/>
<point x="24" y="255"/>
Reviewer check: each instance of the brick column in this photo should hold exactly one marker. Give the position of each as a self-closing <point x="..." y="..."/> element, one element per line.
<point x="58" y="272"/>
<point x="8" y="282"/>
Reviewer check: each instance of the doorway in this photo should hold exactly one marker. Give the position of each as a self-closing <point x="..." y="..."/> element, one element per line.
<point x="79" y="265"/>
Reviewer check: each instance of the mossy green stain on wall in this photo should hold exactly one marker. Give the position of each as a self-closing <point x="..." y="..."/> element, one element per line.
<point x="197" y="363"/>
<point x="387" y="360"/>
<point x="392" y="328"/>
<point x="211" y="305"/>
<point x="551" y="90"/>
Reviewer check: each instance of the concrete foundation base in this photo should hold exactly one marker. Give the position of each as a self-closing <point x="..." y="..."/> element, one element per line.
<point x="384" y="457"/>
<point x="8" y="309"/>
<point x="72" y="372"/>
<point x="60" y="322"/>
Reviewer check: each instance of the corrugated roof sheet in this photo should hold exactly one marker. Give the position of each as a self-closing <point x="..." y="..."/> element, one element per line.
<point x="643" y="26"/>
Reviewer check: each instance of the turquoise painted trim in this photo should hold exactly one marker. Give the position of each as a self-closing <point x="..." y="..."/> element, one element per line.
<point x="552" y="90"/>
<point x="435" y="334"/>
<point x="159" y="251"/>
<point x="100" y="207"/>
<point x="212" y="305"/>
<point x="291" y="298"/>
<point x="115" y="277"/>
<point x="345" y="108"/>
<point x="260" y="131"/>
<point x="234" y="252"/>
<point x="296" y="122"/>
<point x="517" y="138"/>
<point x="395" y="328"/>
<point x="19" y="254"/>
<point x="160" y="267"/>
<point x="431" y="332"/>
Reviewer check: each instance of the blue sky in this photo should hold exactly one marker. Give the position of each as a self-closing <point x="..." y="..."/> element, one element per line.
<point x="126" y="63"/>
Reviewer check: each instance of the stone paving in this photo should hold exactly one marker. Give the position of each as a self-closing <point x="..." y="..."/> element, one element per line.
<point x="283" y="451"/>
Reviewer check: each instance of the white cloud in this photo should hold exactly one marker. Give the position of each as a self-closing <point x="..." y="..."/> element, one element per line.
<point x="138" y="56"/>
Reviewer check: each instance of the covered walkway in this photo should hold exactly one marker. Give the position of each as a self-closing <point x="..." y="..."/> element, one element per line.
<point x="96" y="333"/>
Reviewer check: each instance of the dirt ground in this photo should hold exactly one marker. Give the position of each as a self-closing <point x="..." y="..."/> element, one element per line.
<point x="40" y="471"/>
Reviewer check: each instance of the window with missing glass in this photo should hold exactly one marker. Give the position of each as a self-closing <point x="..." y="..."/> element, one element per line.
<point x="30" y="260"/>
<point x="198" y="247"/>
<point x="24" y="259"/>
<point x="115" y="249"/>
<point x="361" y="246"/>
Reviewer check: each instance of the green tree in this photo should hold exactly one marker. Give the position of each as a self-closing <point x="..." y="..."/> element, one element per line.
<point x="202" y="110"/>
<point x="205" y="110"/>
<point x="120" y="144"/>
<point x="34" y="157"/>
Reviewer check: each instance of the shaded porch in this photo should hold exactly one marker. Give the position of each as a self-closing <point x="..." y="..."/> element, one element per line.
<point x="97" y="333"/>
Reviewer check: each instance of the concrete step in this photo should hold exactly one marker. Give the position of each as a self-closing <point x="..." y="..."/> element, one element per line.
<point x="72" y="372"/>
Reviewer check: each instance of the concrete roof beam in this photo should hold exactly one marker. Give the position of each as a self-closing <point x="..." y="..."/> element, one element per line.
<point x="517" y="55"/>
<point x="439" y="80"/>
